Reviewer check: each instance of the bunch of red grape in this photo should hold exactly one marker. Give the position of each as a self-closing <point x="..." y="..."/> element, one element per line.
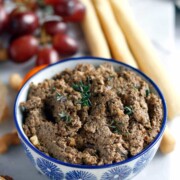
<point x="23" y="23"/>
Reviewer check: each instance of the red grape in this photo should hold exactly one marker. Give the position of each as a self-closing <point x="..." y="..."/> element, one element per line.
<point x="23" y="21"/>
<point x="55" y="2"/>
<point x="65" y="8"/>
<point x="1" y="1"/>
<point x="3" y="19"/>
<point x="74" y="11"/>
<point x="23" y="48"/>
<point x="64" y="44"/>
<point x="78" y="14"/>
<point x="46" y="55"/>
<point x="53" y="27"/>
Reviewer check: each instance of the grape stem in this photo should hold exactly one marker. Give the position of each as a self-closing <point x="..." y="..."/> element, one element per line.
<point x="44" y="38"/>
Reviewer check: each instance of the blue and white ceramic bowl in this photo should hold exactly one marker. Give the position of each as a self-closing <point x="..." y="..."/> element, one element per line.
<point x="58" y="170"/>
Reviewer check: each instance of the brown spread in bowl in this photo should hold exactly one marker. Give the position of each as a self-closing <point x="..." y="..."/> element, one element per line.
<point x="92" y="116"/>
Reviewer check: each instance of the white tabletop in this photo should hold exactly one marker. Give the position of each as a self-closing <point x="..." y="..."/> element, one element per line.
<point x="156" y="17"/>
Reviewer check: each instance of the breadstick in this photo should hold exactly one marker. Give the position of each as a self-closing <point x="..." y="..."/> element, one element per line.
<point x="168" y="142"/>
<point x="113" y="33"/>
<point x="148" y="62"/>
<point x="145" y="54"/>
<point x="93" y="32"/>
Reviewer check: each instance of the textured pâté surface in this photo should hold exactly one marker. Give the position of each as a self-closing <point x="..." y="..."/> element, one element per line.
<point x="91" y="115"/>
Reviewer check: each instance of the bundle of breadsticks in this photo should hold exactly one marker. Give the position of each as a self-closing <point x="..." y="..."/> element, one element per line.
<point x="111" y="31"/>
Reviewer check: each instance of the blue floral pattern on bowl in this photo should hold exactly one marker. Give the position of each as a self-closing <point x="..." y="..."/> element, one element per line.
<point x="142" y="162"/>
<point x="29" y="155"/>
<point x="50" y="169"/>
<point x="118" y="173"/>
<point x="82" y="175"/>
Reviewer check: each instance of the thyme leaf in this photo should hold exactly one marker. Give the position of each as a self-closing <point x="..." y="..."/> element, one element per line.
<point x="60" y="97"/>
<point x="114" y="128"/>
<point x="65" y="117"/>
<point x="110" y="77"/>
<point x="53" y="89"/>
<point x="128" y="110"/>
<point x="85" y="92"/>
<point x="22" y="109"/>
<point x="147" y="92"/>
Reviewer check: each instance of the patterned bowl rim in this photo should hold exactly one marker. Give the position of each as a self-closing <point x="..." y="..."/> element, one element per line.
<point x="149" y="147"/>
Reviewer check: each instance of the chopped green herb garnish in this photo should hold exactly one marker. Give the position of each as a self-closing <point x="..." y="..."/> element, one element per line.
<point x="65" y="117"/>
<point x="147" y="92"/>
<point x="115" y="129"/>
<point x="85" y="92"/>
<point x="120" y="123"/>
<point x="53" y="89"/>
<point x="60" y="97"/>
<point x="113" y="122"/>
<point x="127" y="110"/>
<point x="23" y="109"/>
<point x="110" y="77"/>
<point x="89" y="80"/>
